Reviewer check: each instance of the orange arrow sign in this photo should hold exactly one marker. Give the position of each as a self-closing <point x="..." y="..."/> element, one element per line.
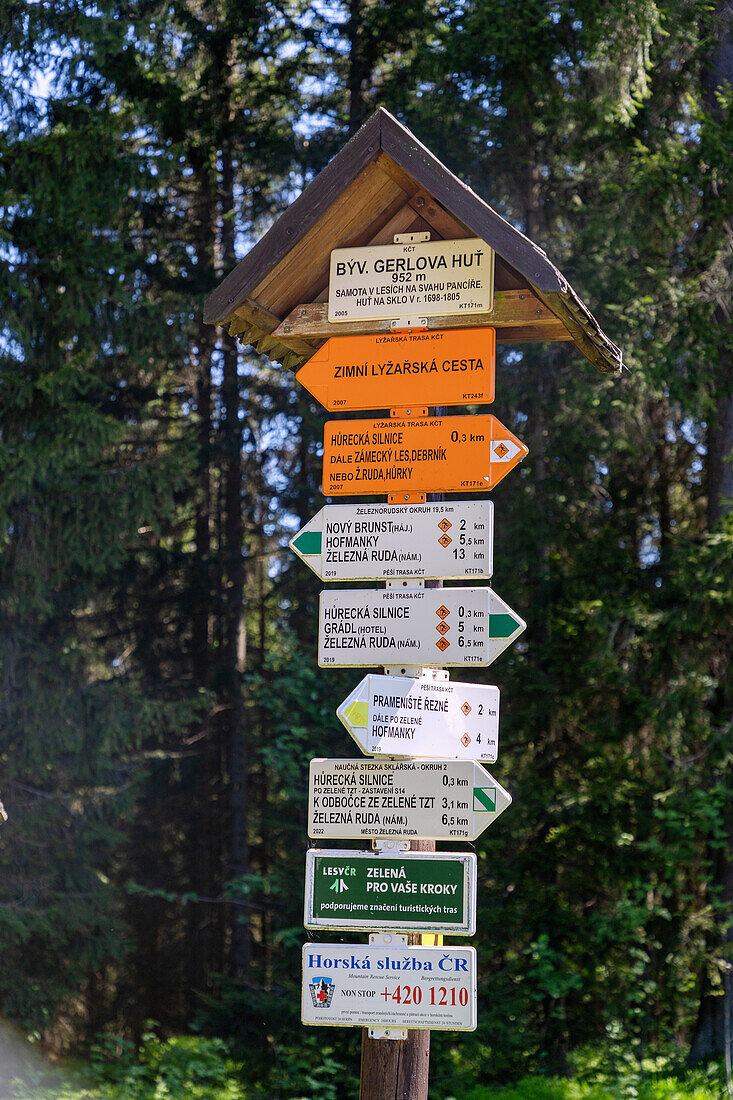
<point x="453" y="367"/>
<point x="445" y="454"/>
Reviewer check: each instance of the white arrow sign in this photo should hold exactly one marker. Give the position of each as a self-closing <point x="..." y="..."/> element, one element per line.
<point x="425" y="717"/>
<point x="374" y="542"/>
<point x="414" y="626"/>
<point x="425" y="799"/>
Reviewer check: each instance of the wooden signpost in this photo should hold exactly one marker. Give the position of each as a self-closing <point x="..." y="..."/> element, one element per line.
<point x="389" y="283"/>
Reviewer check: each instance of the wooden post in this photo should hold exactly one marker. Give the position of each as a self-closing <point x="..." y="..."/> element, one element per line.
<point x="399" y="1069"/>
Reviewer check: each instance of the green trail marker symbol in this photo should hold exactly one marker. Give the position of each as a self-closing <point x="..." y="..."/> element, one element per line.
<point x="484" y="798"/>
<point x="428" y="799"/>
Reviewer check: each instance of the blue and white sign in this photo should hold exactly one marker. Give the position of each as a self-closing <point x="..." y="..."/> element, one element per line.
<point x="357" y="985"/>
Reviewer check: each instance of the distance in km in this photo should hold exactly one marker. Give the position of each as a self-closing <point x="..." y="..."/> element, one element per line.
<point x="374" y="542"/>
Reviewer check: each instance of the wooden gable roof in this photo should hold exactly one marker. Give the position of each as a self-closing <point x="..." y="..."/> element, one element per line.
<point x="383" y="182"/>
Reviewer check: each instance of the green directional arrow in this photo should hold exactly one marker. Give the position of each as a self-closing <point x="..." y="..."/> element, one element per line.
<point x="501" y="626"/>
<point x="484" y="799"/>
<point x="308" y="542"/>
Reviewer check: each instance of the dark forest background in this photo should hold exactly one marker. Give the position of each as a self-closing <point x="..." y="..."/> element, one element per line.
<point x="159" y="696"/>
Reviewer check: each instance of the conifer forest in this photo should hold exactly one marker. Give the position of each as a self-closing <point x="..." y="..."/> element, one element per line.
<point x="160" y="699"/>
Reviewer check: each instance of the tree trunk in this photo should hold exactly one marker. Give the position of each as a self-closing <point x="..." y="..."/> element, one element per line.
<point x="233" y="596"/>
<point x="358" y="67"/>
<point x="204" y="922"/>
<point x="720" y="457"/>
<point x="710" y="1035"/>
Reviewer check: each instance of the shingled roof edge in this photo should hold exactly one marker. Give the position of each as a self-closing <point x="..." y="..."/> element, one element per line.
<point x="383" y="133"/>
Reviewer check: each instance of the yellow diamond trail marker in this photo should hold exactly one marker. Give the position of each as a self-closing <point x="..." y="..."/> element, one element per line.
<point x="361" y="627"/>
<point x="374" y="542"/>
<point x="419" y="799"/>
<point x="425" y="717"/>
<point x="370" y="985"/>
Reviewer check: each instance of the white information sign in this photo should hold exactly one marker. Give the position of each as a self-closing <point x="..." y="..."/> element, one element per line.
<point x="425" y="717"/>
<point x="414" y="626"/>
<point x="357" y="985"/>
<point x="428" y="279"/>
<point x="374" y="542"/>
<point x="424" y="799"/>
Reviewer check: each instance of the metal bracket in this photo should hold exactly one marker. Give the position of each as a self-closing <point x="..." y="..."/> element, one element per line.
<point x="435" y="674"/>
<point x="408" y="322"/>
<point x="406" y="498"/>
<point x="388" y="939"/>
<point x="417" y="672"/>
<point x="387" y="1032"/>
<point x="412" y="238"/>
<point x="381" y="844"/>
<point x="414" y="410"/>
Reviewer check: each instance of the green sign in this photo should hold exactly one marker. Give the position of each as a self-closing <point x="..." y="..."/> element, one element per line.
<point x="404" y="891"/>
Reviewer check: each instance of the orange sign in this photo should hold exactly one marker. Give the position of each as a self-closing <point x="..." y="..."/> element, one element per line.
<point x="396" y="369"/>
<point x="445" y="454"/>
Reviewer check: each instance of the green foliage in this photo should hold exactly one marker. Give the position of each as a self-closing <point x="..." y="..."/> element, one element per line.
<point x="202" y="1069"/>
<point x="185" y="1066"/>
<point x="153" y="860"/>
<point x="696" y="1087"/>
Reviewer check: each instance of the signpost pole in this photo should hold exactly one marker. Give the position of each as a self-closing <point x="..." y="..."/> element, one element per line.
<point x="399" y="1068"/>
